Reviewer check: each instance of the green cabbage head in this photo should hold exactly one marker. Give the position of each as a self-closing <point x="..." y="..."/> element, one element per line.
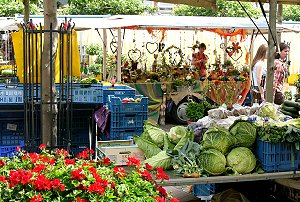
<point x="212" y="161"/>
<point x="241" y="159"/>
<point x="176" y="133"/>
<point x="218" y="138"/>
<point x="244" y="132"/>
<point x="268" y="110"/>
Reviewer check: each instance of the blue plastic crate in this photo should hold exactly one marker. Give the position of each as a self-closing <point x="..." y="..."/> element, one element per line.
<point x="123" y="134"/>
<point x="91" y="93"/>
<point x="204" y="190"/>
<point x="118" y="91"/>
<point x="276" y="157"/>
<point x="11" y="94"/>
<point x="8" y="151"/>
<point x="11" y="132"/>
<point x="127" y="121"/>
<point x="115" y="105"/>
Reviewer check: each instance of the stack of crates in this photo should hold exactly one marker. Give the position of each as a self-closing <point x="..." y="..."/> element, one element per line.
<point x="11" y="136"/>
<point x="126" y="118"/>
<point x="11" y="94"/>
<point x="205" y="191"/>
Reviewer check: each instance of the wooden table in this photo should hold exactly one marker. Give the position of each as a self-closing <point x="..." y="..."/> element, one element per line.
<point x="179" y="181"/>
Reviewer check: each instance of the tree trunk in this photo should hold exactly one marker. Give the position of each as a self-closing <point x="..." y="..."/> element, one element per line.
<point x="48" y="95"/>
<point x="26" y="10"/>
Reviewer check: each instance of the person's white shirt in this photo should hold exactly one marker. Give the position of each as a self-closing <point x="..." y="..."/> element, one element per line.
<point x="259" y="70"/>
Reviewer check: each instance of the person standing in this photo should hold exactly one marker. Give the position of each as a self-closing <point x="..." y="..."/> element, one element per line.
<point x="280" y="72"/>
<point x="259" y="73"/>
<point x="199" y="60"/>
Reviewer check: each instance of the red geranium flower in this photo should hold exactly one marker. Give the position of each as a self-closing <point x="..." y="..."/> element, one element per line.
<point x="37" y="198"/>
<point x="120" y="172"/>
<point x="42" y="146"/>
<point x="133" y="162"/>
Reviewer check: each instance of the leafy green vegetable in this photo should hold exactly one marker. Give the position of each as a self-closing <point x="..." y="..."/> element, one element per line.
<point x="176" y="133"/>
<point x="293" y="136"/>
<point x="189" y="136"/>
<point x="268" y="110"/>
<point x="185" y="160"/>
<point x="271" y="133"/>
<point x="241" y="159"/>
<point x="160" y="160"/>
<point x="194" y="111"/>
<point x="212" y="162"/>
<point x="167" y="143"/>
<point x="218" y="138"/>
<point x="244" y="132"/>
<point x="155" y="134"/>
<point x="150" y="149"/>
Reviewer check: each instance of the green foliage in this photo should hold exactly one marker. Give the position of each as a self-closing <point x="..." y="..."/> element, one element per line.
<point x="10" y="8"/>
<point x="104" y="7"/>
<point x="93" y="49"/>
<point x="225" y="9"/>
<point x="194" y="111"/>
<point x="291" y="12"/>
<point x="96" y="69"/>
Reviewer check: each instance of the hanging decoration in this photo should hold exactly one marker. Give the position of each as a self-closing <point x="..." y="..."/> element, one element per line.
<point x="152" y="47"/>
<point x="173" y="57"/>
<point x="113" y="45"/>
<point x="134" y="54"/>
<point x="234" y="51"/>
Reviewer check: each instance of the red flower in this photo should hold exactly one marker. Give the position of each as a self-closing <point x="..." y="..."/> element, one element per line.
<point x="162" y="191"/>
<point x="174" y="200"/>
<point x="56" y="184"/>
<point x="18" y="148"/>
<point x="97" y="187"/>
<point x="146" y="174"/>
<point x="106" y="161"/>
<point x="84" y="154"/>
<point x="62" y="152"/>
<point x="120" y="172"/>
<point x="2" y="163"/>
<point x="133" y="162"/>
<point x="37" y="198"/>
<point x="19" y="176"/>
<point x="77" y="174"/>
<point x="159" y="199"/>
<point x="148" y="166"/>
<point x="161" y="175"/>
<point x="69" y="161"/>
<point x="2" y="179"/>
<point x="81" y="200"/>
<point x="42" y="146"/>
<point x="42" y="183"/>
<point x="38" y="168"/>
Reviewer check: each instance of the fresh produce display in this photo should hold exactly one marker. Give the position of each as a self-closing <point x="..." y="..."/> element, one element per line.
<point x="154" y="142"/>
<point x="290" y="108"/>
<point x="212" y="161"/>
<point x="219" y="149"/>
<point x="241" y="159"/>
<point x="244" y="132"/>
<point x="218" y="138"/>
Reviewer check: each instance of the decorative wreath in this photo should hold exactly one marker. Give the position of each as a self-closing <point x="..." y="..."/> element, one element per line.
<point x="172" y="57"/>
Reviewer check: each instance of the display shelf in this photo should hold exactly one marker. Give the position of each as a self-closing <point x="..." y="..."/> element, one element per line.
<point x="180" y="181"/>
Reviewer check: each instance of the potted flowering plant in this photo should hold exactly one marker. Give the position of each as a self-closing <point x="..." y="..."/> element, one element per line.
<point x="55" y="176"/>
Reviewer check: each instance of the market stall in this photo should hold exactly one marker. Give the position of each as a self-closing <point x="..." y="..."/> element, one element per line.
<point x="170" y="62"/>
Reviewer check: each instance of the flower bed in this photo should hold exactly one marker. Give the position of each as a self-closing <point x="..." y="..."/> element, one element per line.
<point x="55" y="176"/>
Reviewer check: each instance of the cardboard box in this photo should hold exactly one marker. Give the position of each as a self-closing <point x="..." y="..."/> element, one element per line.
<point x="119" y="151"/>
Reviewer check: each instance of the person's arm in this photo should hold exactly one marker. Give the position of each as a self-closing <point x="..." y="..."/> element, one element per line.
<point x="194" y="59"/>
<point x="259" y="70"/>
<point x="277" y="65"/>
